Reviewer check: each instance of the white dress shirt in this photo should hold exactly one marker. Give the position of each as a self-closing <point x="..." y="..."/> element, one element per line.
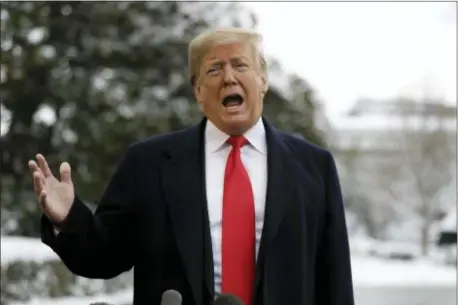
<point x="254" y="158"/>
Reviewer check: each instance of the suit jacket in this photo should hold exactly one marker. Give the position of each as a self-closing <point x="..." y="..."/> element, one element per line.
<point x="153" y="217"/>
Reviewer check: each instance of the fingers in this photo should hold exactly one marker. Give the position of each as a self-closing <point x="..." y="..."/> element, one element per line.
<point x="38" y="178"/>
<point x="65" y="172"/>
<point x="43" y="165"/>
<point x="41" y="172"/>
<point x="33" y="166"/>
<point x="38" y="182"/>
<point x="42" y="199"/>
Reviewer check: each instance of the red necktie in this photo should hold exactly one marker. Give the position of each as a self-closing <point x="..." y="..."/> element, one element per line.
<point x="238" y="227"/>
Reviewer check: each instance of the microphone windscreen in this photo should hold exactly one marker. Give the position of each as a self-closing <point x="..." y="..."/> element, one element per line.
<point x="227" y="299"/>
<point x="171" y="297"/>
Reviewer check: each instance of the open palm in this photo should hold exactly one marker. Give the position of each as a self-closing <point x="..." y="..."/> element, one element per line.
<point x="55" y="197"/>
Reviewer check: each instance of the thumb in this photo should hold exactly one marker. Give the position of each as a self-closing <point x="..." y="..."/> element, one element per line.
<point x="65" y="172"/>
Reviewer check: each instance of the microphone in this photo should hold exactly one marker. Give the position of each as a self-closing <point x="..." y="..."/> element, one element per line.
<point x="227" y="299"/>
<point x="100" y="303"/>
<point x="171" y="297"/>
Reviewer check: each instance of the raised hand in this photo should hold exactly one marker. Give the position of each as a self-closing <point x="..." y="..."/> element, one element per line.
<point x="55" y="197"/>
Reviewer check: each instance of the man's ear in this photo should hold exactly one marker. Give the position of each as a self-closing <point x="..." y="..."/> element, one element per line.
<point x="264" y="84"/>
<point x="197" y="96"/>
<point x="196" y="90"/>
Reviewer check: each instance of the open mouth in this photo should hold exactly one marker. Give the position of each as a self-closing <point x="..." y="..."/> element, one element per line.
<point x="233" y="100"/>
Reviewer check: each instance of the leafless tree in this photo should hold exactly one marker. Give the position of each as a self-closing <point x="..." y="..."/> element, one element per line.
<point x="426" y="141"/>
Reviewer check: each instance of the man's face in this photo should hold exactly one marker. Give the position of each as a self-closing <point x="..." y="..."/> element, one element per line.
<point x="230" y="87"/>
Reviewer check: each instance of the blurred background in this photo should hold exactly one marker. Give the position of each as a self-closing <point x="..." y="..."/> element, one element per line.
<point x="373" y="82"/>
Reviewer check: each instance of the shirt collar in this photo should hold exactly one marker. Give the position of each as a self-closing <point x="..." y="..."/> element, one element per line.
<point x="256" y="136"/>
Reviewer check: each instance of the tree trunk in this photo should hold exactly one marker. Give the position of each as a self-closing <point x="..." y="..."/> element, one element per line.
<point x="425" y="239"/>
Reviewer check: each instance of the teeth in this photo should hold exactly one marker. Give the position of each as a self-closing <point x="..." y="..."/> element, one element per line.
<point x="232" y="103"/>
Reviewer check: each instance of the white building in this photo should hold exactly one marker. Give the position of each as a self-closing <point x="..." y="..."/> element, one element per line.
<point x="374" y="126"/>
<point x="382" y="147"/>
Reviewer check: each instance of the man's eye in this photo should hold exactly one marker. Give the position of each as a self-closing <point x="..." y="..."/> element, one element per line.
<point x="212" y="70"/>
<point x="241" y="67"/>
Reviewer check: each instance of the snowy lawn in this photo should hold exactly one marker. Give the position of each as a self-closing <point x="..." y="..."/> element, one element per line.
<point x="18" y="248"/>
<point x="368" y="272"/>
<point x="371" y="272"/>
<point x="120" y="298"/>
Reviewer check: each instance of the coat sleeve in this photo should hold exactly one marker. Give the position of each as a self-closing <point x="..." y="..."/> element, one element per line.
<point x="100" y="245"/>
<point x="334" y="284"/>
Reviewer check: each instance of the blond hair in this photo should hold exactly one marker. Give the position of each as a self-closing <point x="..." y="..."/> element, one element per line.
<point x="202" y="43"/>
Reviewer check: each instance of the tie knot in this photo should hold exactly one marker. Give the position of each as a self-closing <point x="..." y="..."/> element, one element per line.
<point x="237" y="141"/>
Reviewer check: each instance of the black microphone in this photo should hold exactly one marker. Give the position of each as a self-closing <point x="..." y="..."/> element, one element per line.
<point x="171" y="297"/>
<point x="227" y="299"/>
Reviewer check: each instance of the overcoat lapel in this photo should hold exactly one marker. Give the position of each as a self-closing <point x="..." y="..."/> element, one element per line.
<point x="280" y="187"/>
<point x="183" y="179"/>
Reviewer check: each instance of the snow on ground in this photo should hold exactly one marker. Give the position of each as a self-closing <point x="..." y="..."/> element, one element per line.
<point x="371" y="271"/>
<point x="368" y="271"/>
<point x="16" y="248"/>
<point x="122" y="297"/>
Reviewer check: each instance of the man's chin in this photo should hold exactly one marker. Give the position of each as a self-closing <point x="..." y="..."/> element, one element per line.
<point x="237" y="124"/>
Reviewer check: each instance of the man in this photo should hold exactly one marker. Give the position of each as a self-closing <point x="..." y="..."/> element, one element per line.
<point x="230" y="205"/>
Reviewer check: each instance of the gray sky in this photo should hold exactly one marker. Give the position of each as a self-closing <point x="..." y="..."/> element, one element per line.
<point x="363" y="49"/>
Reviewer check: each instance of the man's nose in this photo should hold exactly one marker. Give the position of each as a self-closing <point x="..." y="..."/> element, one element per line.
<point x="229" y="76"/>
